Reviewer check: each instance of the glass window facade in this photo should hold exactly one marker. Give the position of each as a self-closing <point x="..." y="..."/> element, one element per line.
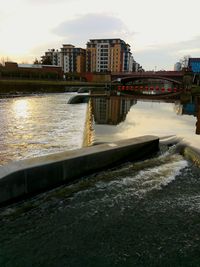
<point x="194" y="64"/>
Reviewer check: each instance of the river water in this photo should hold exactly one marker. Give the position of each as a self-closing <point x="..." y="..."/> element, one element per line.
<point x="39" y="125"/>
<point x="138" y="214"/>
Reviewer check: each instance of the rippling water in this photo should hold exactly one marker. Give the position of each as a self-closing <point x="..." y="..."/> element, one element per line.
<point x="38" y="125"/>
<point x="151" y="118"/>
<point x="139" y="214"/>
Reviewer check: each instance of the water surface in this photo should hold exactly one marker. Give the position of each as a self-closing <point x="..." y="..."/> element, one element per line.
<point x="139" y="214"/>
<point x="121" y="118"/>
<point x="38" y="125"/>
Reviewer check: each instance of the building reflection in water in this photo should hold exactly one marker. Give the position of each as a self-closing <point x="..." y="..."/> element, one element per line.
<point x="198" y="115"/>
<point x="120" y="117"/>
<point x="193" y="108"/>
<point x="111" y="110"/>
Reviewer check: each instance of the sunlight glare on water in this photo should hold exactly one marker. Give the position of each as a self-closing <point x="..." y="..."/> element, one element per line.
<point x="20" y="108"/>
<point x="39" y="125"/>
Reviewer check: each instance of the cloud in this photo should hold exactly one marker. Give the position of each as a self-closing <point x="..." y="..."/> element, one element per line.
<point x="91" y="26"/>
<point x="165" y="56"/>
<point x="45" y="2"/>
<point x="39" y="50"/>
<point x="189" y="47"/>
<point x="3" y="18"/>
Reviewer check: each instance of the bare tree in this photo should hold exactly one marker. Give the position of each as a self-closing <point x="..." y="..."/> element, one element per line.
<point x="3" y="60"/>
<point x="184" y="61"/>
<point x="36" y="61"/>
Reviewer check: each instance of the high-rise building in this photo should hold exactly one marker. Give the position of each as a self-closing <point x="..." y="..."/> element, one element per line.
<point x="51" y="57"/>
<point x="108" y="55"/>
<point x="70" y="58"/>
<point x="73" y="59"/>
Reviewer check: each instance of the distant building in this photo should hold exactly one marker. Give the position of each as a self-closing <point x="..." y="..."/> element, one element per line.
<point x="177" y="66"/>
<point x="108" y="55"/>
<point x="137" y="67"/>
<point x="51" y="57"/>
<point x="73" y="59"/>
<point x="11" y="65"/>
<point x="69" y="58"/>
<point x="30" y="66"/>
<point x="194" y="64"/>
<point x="31" y="71"/>
<point x="131" y="64"/>
<point x="100" y="56"/>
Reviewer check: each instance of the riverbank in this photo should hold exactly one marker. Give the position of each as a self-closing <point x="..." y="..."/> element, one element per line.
<point x="26" y="86"/>
<point x="195" y="89"/>
<point x="14" y="86"/>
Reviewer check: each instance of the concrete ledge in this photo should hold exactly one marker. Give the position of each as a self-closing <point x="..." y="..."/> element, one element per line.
<point x="192" y="154"/>
<point x="77" y="99"/>
<point x="28" y="177"/>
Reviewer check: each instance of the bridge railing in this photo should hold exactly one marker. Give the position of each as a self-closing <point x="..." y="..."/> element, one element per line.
<point x="141" y="88"/>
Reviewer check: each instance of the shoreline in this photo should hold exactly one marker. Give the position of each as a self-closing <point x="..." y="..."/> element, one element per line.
<point x="16" y="87"/>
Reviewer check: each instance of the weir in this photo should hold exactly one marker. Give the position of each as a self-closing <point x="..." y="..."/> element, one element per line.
<point x="29" y="177"/>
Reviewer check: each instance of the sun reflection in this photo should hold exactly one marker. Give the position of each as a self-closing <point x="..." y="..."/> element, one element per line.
<point x="20" y="108"/>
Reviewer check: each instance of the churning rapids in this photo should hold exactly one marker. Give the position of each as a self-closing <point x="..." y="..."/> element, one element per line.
<point x="137" y="214"/>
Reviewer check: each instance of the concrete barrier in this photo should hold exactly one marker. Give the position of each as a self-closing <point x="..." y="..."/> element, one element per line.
<point x="192" y="154"/>
<point x="78" y="99"/>
<point x="28" y="177"/>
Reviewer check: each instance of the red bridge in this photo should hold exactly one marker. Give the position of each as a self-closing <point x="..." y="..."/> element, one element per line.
<point x="176" y="77"/>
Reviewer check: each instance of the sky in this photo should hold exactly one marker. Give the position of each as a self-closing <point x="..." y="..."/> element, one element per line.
<point x="160" y="32"/>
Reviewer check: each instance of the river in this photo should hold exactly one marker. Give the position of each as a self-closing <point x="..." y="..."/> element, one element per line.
<point x="38" y="125"/>
<point x="137" y="214"/>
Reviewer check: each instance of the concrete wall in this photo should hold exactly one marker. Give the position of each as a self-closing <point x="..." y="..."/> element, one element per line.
<point x="191" y="153"/>
<point x="31" y="176"/>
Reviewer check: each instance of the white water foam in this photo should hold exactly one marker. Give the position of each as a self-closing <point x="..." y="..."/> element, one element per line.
<point x="145" y="180"/>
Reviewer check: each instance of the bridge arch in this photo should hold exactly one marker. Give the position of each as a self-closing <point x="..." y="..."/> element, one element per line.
<point x="125" y="80"/>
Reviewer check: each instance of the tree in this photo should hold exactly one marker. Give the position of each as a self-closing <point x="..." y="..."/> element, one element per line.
<point x="187" y="81"/>
<point x="184" y="61"/>
<point x="36" y="61"/>
<point x="23" y="62"/>
<point x="3" y="60"/>
<point x="46" y="60"/>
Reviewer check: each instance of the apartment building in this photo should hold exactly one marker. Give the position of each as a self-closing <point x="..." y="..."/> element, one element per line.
<point x="52" y="57"/>
<point x="108" y="55"/>
<point x="100" y="55"/>
<point x="73" y="58"/>
<point x="70" y="58"/>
